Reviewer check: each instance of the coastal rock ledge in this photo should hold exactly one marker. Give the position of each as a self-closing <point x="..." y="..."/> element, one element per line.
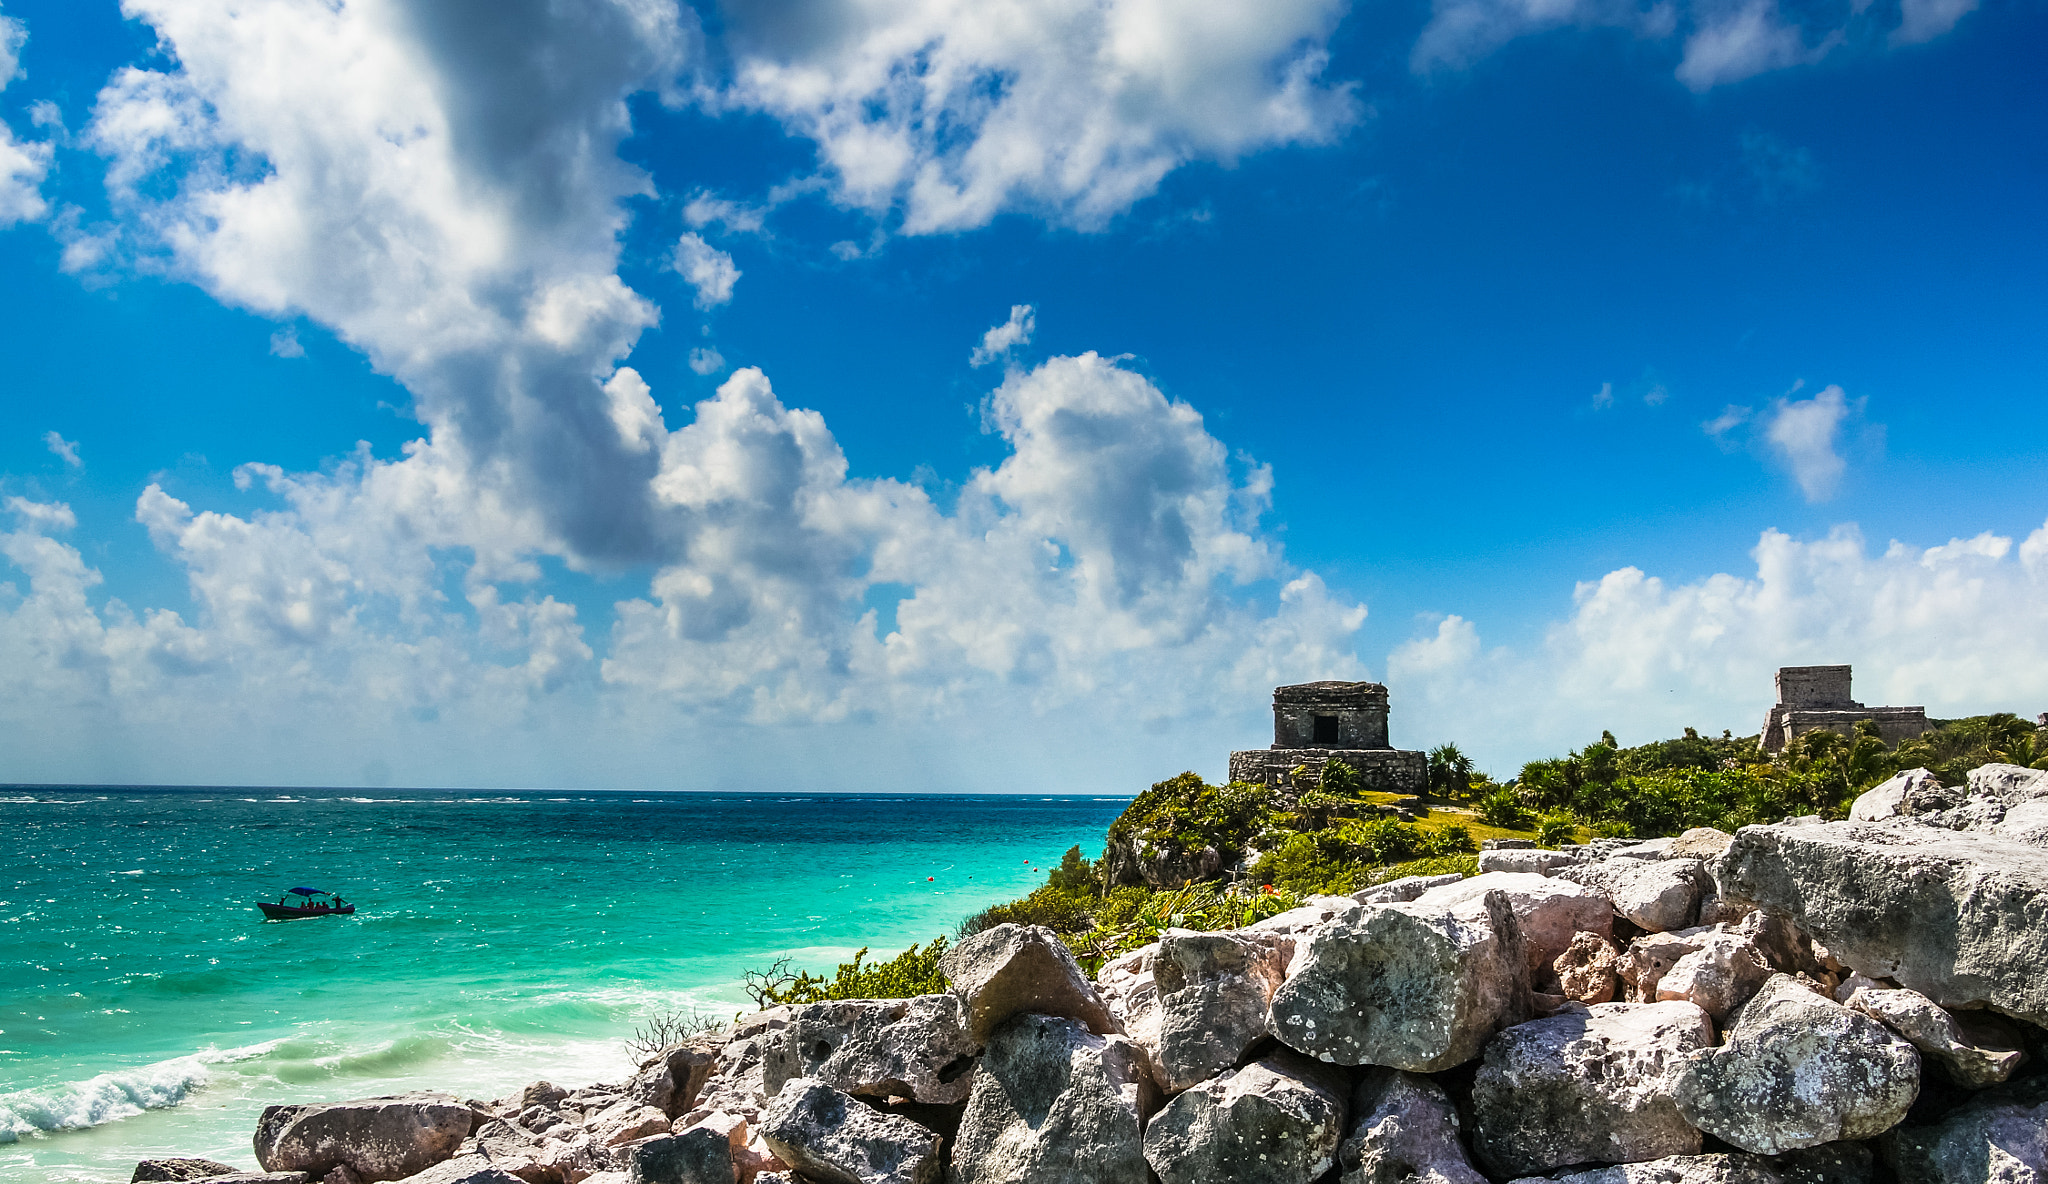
<point x="1806" y="1003"/>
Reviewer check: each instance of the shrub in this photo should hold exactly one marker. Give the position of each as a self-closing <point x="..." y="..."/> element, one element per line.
<point x="1058" y="911"/>
<point x="1447" y="840"/>
<point x="1435" y="865"/>
<point x="1187" y="813"/>
<point x="1303" y="866"/>
<point x="1341" y="780"/>
<point x="1075" y="876"/>
<point x="1503" y="808"/>
<point x="1378" y="840"/>
<point x="915" y="971"/>
<point x="1555" y="830"/>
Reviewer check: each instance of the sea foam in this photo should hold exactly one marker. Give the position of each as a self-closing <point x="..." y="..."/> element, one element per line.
<point x="122" y="1093"/>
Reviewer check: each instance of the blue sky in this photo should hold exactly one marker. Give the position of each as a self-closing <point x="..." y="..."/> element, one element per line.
<point x="588" y="395"/>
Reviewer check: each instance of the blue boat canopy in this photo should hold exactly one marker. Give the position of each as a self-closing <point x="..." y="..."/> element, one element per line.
<point x="308" y="892"/>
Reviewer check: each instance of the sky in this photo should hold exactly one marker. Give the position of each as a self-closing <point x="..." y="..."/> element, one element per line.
<point x="936" y="395"/>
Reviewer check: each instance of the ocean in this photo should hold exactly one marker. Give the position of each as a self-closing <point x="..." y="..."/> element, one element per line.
<point x="146" y="1008"/>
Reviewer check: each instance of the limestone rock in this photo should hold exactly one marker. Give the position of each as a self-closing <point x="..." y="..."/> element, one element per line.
<point x="178" y="1169"/>
<point x="387" y="1138"/>
<point x="1056" y="1103"/>
<point x="1975" y="1060"/>
<point x="1590" y="1085"/>
<point x="1955" y="917"/>
<point x="1899" y="797"/>
<point x="1548" y="912"/>
<point x="1990" y="1140"/>
<point x="235" y="1177"/>
<point x="1012" y="969"/>
<point x="1406" y="986"/>
<point x="1130" y="990"/>
<point x="1656" y="894"/>
<point x="1719" y="976"/>
<point x="1829" y="1163"/>
<point x="828" y="1136"/>
<point x="1534" y="861"/>
<point x="1682" y="1169"/>
<point x="1700" y="842"/>
<point x="701" y="1155"/>
<point x="1277" y="1120"/>
<point x="625" y="1121"/>
<point x="1651" y="957"/>
<point x="914" y="1048"/>
<point x="1404" y="889"/>
<point x="1404" y="1130"/>
<point x="1798" y="1070"/>
<point x="1586" y="969"/>
<point x="737" y="1083"/>
<point x="464" y="1169"/>
<point x="1214" y="993"/>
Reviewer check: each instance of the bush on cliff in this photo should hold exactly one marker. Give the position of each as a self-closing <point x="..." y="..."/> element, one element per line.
<point x="915" y="971"/>
<point x="1183" y="815"/>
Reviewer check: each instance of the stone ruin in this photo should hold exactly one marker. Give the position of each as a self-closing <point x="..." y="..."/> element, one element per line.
<point x="1316" y="722"/>
<point x="1816" y="698"/>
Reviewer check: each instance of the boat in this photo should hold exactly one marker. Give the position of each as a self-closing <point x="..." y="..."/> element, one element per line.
<point x="307" y="905"/>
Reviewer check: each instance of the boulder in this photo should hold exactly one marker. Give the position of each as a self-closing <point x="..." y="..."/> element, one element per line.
<point x="1589" y="1085"/>
<point x="701" y="1155"/>
<point x="1130" y="990"/>
<point x="1012" y="969"/>
<point x="1681" y="1169"/>
<point x="387" y="1138"/>
<point x="625" y="1121"/>
<point x="1719" y="976"/>
<point x="1298" y="921"/>
<point x="737" y="1083"/>
<point x="1700" y="842"/>
<point x="1404" y="889"/>
<point x="913" y="1048"/>
<point x="464" y="1169"/>
<point x="1535" y="861"/>
<point x="1829" y="1163"/>
<point x="1906" y="794"/>
<point x="1404" y="1130"/>
<point x="1955" y="917"/>
<point x="830" y="1137"/>
<point x="1798" y="1070"/>
<point x="1276" y="1120"/>
<point x="510" y="1147"/>
<point x="1215" y="990"/>
<point x="179" y="1169"/>
<point x="1655" y="894"/>
<point x="1651" y="957"/>
<point x="1406" y="986"/>
<point x="1548" y="912"/>
<point x="1977" y="1056"/>
<point x="235" y="1177"/>
<point x="1586" y="969"/>
<point x="1056" y="1103"/>
<point x="1992" y="1139"/>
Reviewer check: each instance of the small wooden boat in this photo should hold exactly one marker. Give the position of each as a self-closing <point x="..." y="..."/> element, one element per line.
<point x="307" y="904"/>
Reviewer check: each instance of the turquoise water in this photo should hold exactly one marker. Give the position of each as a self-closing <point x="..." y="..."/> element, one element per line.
<point x="146" y="1008"/>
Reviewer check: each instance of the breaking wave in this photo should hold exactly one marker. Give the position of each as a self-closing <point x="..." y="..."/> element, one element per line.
<point x="109" y="1097"/>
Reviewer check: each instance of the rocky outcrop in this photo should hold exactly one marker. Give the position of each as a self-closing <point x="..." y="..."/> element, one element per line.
<point x="914" y="1048"/>
<point x="1978" y="1056"/>
<point x="1955" y="917"/>
<point x="1215" y="990"/>
<point x="1056" y="1103"/>
<point x="1590" y="1085"/>
<point x="1549" y="913"/>
<point x="1532" y="860"/>
<point x="1278" y="1119"/>
<point x="1719" y="974"/>
<point x="1655" y="894"/>
<point x="1406" y="986"/>
<point x="1013" y="969"/>
<point x="1405" y="889"/>
<point x="1798" y="1070"/>
<point x="697" y="1156"/>
<point x="179" y="1169"/>
<point x="1586" y="971"/>
<point x="1404" y="1130"/>
<point x="830" y="1137"/>
<point x="386" y="1138"/>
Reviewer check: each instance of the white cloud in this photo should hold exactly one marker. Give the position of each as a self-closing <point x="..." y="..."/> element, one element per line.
<point x="1924" y="20"/>
<point x="1806" y="434"/>
<point x="999" y="341"/>
<point x="706" y="360"/>
<point x="1732" y="416"/>
<point x="12" y="36"/>
<point x="709" y="270"/>
<point x="1734" y="41"/>
<point x="285" y="343"/>
<point x="1960" y="628"/>
<point x="22" y="165"/>
<point x="955" y="111"/>
<point x="66" y="450"/>
<point x="1604" y="397"/>
<point x="706" y="209"/>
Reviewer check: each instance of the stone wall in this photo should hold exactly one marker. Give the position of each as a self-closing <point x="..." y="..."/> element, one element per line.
<point x="1385" y="770"/>
<point x="1816" y="698"/>
<point x="1815" y="686"/>
<point x="1358" y="709"/>
<point x="1893" y="723"/>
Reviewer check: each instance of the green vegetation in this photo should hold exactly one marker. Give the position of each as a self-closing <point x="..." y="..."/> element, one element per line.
<point x="1337" y="838"/>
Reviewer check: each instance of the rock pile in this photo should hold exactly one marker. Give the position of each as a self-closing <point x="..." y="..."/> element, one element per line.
<point x="1801" y="1003"/>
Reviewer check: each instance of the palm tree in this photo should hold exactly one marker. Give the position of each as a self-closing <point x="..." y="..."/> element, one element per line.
<point x="1450" y="771"/>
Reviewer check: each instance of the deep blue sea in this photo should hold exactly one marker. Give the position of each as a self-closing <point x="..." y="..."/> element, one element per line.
<point x="146" y="1008"/>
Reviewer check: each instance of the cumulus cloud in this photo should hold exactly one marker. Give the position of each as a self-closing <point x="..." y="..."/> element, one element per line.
<point x="22" y="165"/>
<point x="284" y="343"/>
<point x="1806" y="435"/>
<point x="709" y="270"/>
<point x="1960" y="628"/>
<point x="65" y="450"/>
<point x="955" y="111"/>
<point x="999" y="341"/>
<point x="706" y="360"/>
<point x="1924" y="20"/>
